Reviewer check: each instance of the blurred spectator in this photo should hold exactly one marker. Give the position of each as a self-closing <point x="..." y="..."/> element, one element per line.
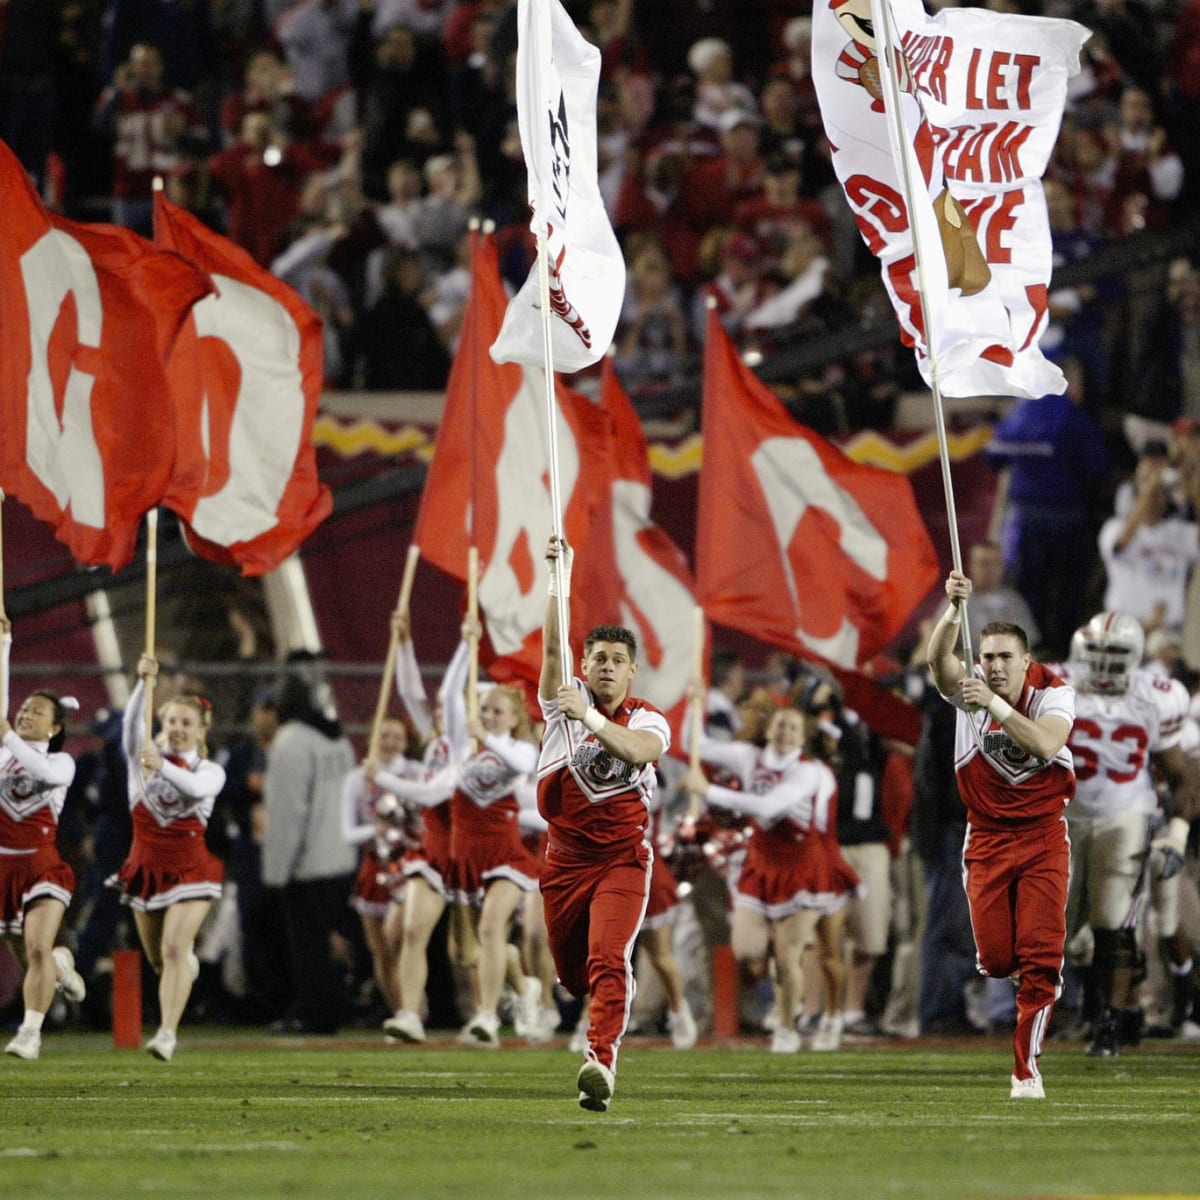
<point x="795" y="68"/>
<point x="1166" y="376"/>
<point x="270" y="87"/>
<point x="1058" y="468"/>
<point x="736" y="291"/>
<point x="713" y="188"/>
<point x="1084" y="161"/>
<point x="402" y="88"/>
<point x="1149" y="552"/>
<point x="652" y="341"/>
<point x="439" y="218"/>
<point x="426" y="17"/>
<point x="1148" y="173"/>
<point x="1078" y="315"/>
<point x="993" y="599"/>
<point x="773" y="218"/>
<point x="727" y="680"/>
<point x="154" y="130"/>
<point x="399" y="348"/>
<point x="315" y="36"/>
<point x="651" y="201"/>
<point x="261" y="178"/>
<point x="717" y="92"/>
<point x="182" y="33"/>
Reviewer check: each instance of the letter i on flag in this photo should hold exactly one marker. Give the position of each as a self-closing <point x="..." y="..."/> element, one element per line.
<point x="558" y="73"/>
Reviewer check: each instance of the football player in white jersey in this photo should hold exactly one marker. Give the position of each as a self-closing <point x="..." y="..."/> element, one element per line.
<point x="1125" y="718"/>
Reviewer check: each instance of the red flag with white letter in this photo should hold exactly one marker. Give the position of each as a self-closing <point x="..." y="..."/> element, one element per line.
<point x="488" y="483"/>
<point x="630" y="572"/>
<point x="558" y="72"/>
<point x="246" y="376"/>
<point x="796" y="544"/>
<point x="88" y="316"/>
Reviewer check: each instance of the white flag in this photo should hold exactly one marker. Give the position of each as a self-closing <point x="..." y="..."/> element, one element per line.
<point x="557" y="76"/>
<point x="983" y="95"/>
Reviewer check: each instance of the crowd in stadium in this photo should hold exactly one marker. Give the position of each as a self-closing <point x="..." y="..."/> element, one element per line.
<point x="345" y="144"/>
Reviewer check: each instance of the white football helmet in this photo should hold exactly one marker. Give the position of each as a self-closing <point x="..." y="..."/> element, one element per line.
<point x="1111" y="644"/>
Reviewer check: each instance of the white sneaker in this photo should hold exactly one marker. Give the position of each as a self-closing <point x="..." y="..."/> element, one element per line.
<point x="27" y="1043"/>
<point x="579" y="1039"/>
<point x="829" y="1033"/>
<point x="1027" y="1089"/>
<point x="785" y="1041"/>
<point x="484" y="1028"/>
<point x="70" y="982"/>
<point x="596" y="1085"/>
<point x="527" y="1017"/>
<point x="405" y="1025"/>
<point x="682" y="1027"/>
<point x="162" y="1045"/>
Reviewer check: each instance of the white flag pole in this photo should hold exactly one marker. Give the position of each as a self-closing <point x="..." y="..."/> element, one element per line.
<point x="885" y="42"/>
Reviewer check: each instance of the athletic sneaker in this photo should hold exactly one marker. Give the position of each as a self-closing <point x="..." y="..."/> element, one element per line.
<point x="484" y="1029"/>
<point x="1027" y="1089"/>
<point x="27" y="1043"/>
<point x="596" y="1085"/>
<point x="405" y="1025"/>
<point x="785" y="1041"/>
<point x="579" y="1039"/>
<point x="528" y="1009"/>
<point x="162" y="1045"/>
<point x="829" y="1033"/>
<point x="70" y="982"/>
<point x="682" y="1027"/>
<point x="1107" y="1042"/>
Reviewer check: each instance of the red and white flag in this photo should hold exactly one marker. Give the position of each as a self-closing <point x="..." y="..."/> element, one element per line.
<point x="629" y="570"/>
<point x="488" y="483"/>
<point x="88" y="316"/>
<point x="558" y="72"/>
<point x="982" y="100"/>
<point x="246" y="376"/>
<point x="796" y="544"/>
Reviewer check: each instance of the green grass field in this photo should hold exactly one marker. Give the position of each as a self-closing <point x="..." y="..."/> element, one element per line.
<point x="237" y="1116"/>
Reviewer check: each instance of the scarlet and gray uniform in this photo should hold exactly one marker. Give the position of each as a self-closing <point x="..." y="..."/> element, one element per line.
<point x="1016" y="857"/>
<point x="371" y="895"/>
<point x="1115" y="802"/>
<point x="432" y="791"/>
<point x="663" y="901"/>
<point x="33" y="787"/>
<point x="168" y="861"/>
<point x="793" y="860"/>
<point x="596" y="877"/>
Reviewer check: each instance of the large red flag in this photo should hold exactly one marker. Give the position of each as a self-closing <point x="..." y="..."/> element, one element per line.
<point x="631" y="573"/>
<point x="488" y="483"/>
<point x="246" y="376"/>
<point x="88" y="315"/>
<point x="796" y="544"/>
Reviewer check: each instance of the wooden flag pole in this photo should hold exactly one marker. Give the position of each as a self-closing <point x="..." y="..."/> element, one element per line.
<point x="389" y="663"/>
<point x="695" y="715"/>
<point x="885" y="33"/>
<point x="473" y="639"/>
<point x="3" y="618"/>
<point x="151" y="615"/>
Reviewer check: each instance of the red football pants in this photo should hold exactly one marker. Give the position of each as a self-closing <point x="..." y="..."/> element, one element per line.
<point x="594" y="911"/>
<point x="1016" y="886"/>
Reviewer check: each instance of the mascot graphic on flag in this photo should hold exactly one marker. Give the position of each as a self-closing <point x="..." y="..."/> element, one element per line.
<point x="858" y="63"/>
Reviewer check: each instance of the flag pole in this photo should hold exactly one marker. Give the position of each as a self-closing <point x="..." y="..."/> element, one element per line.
<point x="473" y="637"/>
<point x="881" y="15"/>
<point x="695" y="715"/>
<point x="3" y="619"/>
<point x="389" y="663"/>
<point x="151" y="615"/>
<point x="564" y="633"/>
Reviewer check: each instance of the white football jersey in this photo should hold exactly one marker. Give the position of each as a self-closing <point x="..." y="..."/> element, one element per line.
<point x="1114" y="736"/>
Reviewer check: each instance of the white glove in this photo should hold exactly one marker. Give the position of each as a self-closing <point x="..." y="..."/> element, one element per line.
<point x="568" y="559"/>
<point x="1167" y="850"/>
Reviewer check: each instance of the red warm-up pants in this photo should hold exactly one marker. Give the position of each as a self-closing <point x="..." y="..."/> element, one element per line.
<point x="1016" y="883"/>
<point x="594" y="910"/>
